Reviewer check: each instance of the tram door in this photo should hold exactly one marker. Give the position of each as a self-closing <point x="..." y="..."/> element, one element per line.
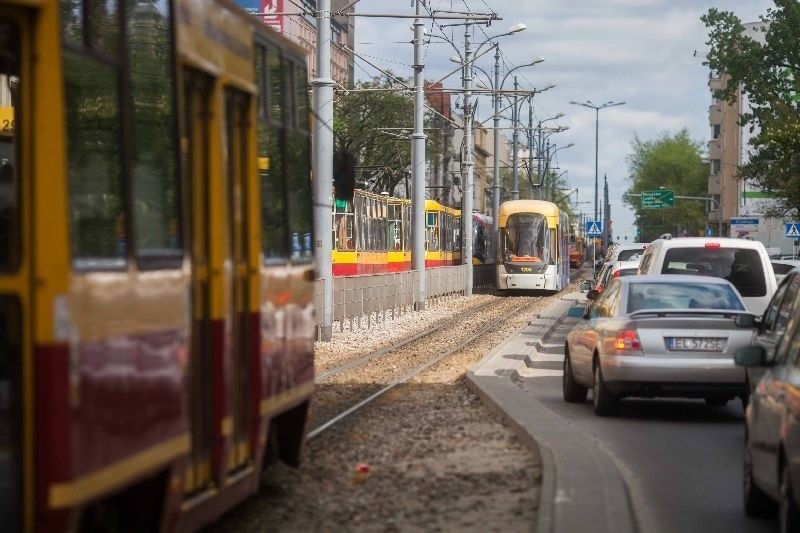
<point x="195" y="146"/>
<point x="236" y="170"/>
<point x="14" y="269"/>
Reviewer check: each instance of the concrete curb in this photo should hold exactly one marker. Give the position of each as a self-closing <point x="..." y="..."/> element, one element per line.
<point x="581" y="488"/>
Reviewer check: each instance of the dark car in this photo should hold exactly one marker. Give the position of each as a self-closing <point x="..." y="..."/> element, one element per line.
<point x="772" y="418"/>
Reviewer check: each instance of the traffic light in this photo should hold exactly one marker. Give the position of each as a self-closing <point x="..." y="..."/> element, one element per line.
<point x="344" y="174"/>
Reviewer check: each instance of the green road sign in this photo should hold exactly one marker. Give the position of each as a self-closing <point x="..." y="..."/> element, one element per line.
<point x="658" y="199"/>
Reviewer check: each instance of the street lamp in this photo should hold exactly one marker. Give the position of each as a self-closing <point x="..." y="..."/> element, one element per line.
<point x="597" y="109"/>
<point x="543" y="160"/>
<point x="496" y="87"/>
<point x="466" y="199"/>
<point x="548" y="157"/>
<point x="515" y="135"/>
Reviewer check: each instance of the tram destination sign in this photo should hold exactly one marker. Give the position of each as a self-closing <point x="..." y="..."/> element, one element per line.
<point x="658" y="199"/>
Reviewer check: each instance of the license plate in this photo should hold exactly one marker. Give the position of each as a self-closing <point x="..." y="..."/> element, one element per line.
<point x="696" y="344"/>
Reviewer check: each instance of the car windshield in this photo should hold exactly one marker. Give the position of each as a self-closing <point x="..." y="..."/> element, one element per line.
<point x="682" y="295"/>
<point x="740" y="266"/>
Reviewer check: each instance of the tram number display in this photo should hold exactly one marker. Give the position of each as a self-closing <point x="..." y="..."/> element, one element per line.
<point x="6" y="119"/>
<point x="525" y="218"/>
<point x="526" y="270"/>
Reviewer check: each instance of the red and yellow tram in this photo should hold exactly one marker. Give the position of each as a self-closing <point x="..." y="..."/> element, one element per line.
<point x="156" y="317"/>
<point x="372" y="235"/>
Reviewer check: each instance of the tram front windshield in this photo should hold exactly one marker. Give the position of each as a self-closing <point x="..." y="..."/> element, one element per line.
<point x="526" y="237"/>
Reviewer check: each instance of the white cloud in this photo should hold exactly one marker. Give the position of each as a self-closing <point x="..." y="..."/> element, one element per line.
<point x="639" y="51"/>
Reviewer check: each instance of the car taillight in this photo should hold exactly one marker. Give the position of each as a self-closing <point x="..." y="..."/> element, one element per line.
<point x="712" y="245"/>
<point x="616" y="274"/>
<point x="628" y="341"/>
<point x="599" y="289"/>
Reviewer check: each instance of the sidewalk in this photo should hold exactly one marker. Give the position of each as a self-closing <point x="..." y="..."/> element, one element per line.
<point x="581" y="490"/>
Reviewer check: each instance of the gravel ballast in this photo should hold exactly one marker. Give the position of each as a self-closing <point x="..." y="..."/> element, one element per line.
<point x="428" y="456"/>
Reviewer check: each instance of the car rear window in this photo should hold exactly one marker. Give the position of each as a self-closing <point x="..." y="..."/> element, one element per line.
<point x="682" y="295"/>
<point x="741" y="266"/>
<point x="627" y="255"/>
<point x="782" y="268"/>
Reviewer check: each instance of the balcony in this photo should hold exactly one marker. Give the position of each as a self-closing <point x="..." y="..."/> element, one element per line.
<point x="714" y="150"/>
<point x="714" y="114"/>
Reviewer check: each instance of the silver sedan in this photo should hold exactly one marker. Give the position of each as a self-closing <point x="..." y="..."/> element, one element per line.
<point x="655" y="336"/>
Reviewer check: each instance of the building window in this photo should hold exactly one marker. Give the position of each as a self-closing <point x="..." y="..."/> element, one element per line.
<point x="715" y="166"/>
<point x="715" y="131"/>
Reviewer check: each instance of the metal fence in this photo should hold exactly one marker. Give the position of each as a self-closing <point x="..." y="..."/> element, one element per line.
<point x="362" y="301"/>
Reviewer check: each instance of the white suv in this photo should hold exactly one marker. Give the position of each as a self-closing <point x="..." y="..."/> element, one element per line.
<point x="744" y="263"/>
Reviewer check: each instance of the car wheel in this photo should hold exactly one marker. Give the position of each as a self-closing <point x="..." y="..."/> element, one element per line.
<point x="716" y="402"/>
<point x="573" y="391"/>
<point x="756" y="501"/>
<point x="789" y="512"/>
<point x="603" y="401"/>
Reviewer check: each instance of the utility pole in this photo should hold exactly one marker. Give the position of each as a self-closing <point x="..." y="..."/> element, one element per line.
<point x="607" y="214"/>
<point x="514" y="141"/>
<point x="466" y="197"/>
<point x="322" y="164"/>
<point x="418" y="163"/>
<point x="496" y="170"/>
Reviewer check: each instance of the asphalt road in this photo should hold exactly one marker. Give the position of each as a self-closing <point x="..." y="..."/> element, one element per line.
<point x="681" y="460"/>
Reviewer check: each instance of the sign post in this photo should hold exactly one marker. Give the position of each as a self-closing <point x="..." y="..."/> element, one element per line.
<point x="594" y="228"/>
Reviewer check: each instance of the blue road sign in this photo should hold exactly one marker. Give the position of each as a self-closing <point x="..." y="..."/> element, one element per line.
<point x="709" y="232"/>
<point x="594" y="228"/>
<point x="793" y="230"/>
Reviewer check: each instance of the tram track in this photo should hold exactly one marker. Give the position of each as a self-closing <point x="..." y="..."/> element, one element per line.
<point x="359" y="393"/>
<point x="325" y="376"/>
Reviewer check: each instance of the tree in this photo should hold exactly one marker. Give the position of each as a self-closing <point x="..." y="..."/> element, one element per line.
<point x="674" y="163"/>
<point x="769" y="73"/>
<point x="374" y="123"/>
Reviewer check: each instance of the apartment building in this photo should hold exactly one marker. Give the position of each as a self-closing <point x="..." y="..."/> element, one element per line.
<point x="296" y="20"/>
<point x="739" y="207"/>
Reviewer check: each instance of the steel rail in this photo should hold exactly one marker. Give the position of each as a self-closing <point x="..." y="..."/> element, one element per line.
<point x="416" y="371"/>
<point x="395" y="346"/>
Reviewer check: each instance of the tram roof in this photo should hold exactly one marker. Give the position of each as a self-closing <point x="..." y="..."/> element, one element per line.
<point x="529" y="206"/>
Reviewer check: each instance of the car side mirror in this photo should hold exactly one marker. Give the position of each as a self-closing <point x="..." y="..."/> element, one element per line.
<point x="586" y="285"/>
<point x="745" y="321"/>
<point x="753" y="355"/>
<point x="592" y="294"/>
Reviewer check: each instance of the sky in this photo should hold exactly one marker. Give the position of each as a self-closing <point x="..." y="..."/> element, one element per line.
<point x="646" y="53"/>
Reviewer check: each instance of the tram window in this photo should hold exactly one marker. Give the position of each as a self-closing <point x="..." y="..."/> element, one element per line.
<point x="275" y="75"/>
<point x="299" y="187"/>
<point x="274" y="239"/>
<point x="298" y="166"/>
<point x="98" y="232"/>
<point x="153" y="172"/>
<point x="261" y="72"/>
<point x="10" y="230"/>
<point x="301" y="90"/>
<point x="11" y="451"/>
<point x="92" y="24"/>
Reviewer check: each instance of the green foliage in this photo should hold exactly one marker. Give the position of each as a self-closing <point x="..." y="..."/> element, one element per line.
<point x="374" y="122"/>
<point x="769" y="74"/>
<point x="675" y="163"/>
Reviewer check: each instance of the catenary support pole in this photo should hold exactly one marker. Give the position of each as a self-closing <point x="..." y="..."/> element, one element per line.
<point x="514" y="145"/>
<point x="322" y="164"/>
<point x="496" y="167"/>
<point x="466" y="199"/>
<point x="418" y="164"/>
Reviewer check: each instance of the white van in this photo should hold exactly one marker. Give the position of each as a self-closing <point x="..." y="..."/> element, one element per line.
<point x="744" y="263"/>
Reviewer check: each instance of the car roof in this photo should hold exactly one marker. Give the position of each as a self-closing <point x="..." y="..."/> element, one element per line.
<point x="689" y="242"/>
<point x="675" y="278"/>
